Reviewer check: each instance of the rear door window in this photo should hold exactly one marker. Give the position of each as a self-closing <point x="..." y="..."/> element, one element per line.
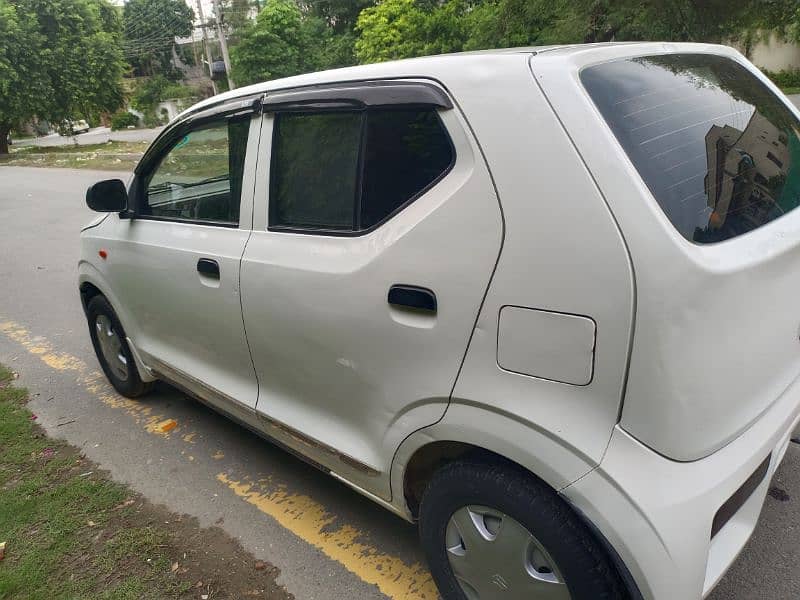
<point x="719" y="151"/>
<point x="348" y="172"/>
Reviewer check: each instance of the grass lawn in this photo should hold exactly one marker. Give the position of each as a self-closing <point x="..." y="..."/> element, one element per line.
<point x="116" y="156"/>
<point x="71" y="533"/>
<point x="791" y="90"/>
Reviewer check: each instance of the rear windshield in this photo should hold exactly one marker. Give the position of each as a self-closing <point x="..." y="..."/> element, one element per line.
<point x="718" y="150"/>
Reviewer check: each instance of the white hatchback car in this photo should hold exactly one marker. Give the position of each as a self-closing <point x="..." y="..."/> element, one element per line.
<point x="543" y="301"/>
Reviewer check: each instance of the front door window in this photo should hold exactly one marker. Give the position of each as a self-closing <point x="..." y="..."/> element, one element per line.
<point x="200" y="178"/>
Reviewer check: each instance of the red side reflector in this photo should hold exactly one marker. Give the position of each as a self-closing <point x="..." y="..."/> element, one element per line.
<point x="103" y="254"/>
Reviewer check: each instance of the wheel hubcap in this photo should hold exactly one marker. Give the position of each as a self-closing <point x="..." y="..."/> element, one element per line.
<point x="493" y="556"/>
<point x="111" y="347"/>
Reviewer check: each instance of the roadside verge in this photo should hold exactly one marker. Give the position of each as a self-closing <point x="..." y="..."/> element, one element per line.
<point x="70" y="532"/>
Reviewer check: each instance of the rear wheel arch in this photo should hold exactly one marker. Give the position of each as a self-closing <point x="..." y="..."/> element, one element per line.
<point x="431" y="457"/>
<point x="428" y="459"/>
<point x="570" y="551"/>
<point x="480" y="430"/>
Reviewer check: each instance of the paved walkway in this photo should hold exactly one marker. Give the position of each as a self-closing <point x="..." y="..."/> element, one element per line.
<point x="98" y="135"/>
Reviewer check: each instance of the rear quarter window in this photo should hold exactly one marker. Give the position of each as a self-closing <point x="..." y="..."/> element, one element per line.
<point x="719" y="151"/>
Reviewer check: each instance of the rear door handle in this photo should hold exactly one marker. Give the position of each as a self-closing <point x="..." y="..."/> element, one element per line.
<point x="412" y="296"/>
<point x="208" y="267"/>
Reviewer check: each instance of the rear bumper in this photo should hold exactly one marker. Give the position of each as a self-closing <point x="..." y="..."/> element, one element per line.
<point x="658" y="514"/>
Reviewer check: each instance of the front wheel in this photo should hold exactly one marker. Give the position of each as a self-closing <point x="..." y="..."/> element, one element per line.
<point x="492" y="531"/>
<point x="111" y="347"/>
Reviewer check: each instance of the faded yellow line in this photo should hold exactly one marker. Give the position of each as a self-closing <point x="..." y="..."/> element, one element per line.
<point x="94" y="381"/>
<point x="300" y="514"/>
<point x="309" y="520"/>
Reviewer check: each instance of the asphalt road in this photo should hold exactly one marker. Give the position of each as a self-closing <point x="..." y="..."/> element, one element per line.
<point x="328" y="542"/>
<point x="98" y="135"/>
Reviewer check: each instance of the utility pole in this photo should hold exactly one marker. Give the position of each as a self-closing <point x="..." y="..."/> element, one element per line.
<point x="223" y="44"/>
<point x="205" y="44"/>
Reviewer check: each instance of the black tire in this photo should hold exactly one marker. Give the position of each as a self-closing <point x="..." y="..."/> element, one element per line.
<point x="586" y="568"/>
<point x="132" y="386"/>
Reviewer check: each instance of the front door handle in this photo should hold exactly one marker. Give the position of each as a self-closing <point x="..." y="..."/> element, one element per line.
<point x="412" y="296"/>
<point x="208" y="267"/>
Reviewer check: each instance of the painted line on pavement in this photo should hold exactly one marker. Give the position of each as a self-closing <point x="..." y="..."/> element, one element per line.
<point x="309" y="520"/>
<point x="94" y="381"/>
<point x="300" y="514"/>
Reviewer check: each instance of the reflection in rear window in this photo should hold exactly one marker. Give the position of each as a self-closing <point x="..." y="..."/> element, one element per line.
<point x="718" y="150"/>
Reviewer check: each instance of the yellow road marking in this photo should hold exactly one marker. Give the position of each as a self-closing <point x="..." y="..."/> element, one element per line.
<point x="164" y="426"/>
<point x="309" y="520"/>
<point x="300" y="514"/>
<point x="94" y="381"/>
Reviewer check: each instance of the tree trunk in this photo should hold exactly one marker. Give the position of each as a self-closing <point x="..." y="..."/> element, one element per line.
<point x="5" y="129"/>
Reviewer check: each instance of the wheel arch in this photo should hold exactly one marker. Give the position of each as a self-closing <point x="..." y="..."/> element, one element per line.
<point x="462" y="434"/>
<point x="480" y="431"/>
<point x="90" y="285"/>
<point x="88" y="290"/>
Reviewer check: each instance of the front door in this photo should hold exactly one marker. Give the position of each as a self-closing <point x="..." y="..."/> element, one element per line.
<point x="178" y="260"/>
<point x="375" y="233"/>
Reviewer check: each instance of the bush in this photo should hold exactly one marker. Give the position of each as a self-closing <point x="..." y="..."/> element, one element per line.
<point x="123" y="120"/>
<point x="177" y="90"/>
<point x="784" y="79"/>
<point x="151" y="119"/>
<point x="149" y="93"/>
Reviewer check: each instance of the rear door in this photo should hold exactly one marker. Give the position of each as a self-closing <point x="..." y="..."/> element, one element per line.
<point x="375" y="233"/>
<point x="176" y="264"/>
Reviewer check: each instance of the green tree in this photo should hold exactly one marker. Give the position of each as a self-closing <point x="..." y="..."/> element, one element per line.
<point x="510" y="23"/>
<point x="236" y="16"/>
<point x="59" y="59"/>
<point x="391" y="29"/>
<point x="279" y="44"/>
<point x="151" y="27"/>
<point x="335" y="21"/>
<point x="404" y="28"/>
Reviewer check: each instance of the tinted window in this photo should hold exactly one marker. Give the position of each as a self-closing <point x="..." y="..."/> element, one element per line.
<point x="315" y="170"/>
<point x="348" y="171"/>
<point x="406" y="151"/>
<point x="200" y="178"/>
<point x="718" y="150"/>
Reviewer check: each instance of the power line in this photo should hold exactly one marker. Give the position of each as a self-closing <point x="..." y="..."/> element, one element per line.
<point x="164" y="24"/>
<point x="153" y="40"/>
<point x="146" y="13"/>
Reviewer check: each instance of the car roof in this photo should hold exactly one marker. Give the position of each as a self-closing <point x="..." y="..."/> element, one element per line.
<point x="449" y="63"/>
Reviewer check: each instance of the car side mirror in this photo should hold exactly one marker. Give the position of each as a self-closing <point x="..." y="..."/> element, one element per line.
<point x="108" y="195"/>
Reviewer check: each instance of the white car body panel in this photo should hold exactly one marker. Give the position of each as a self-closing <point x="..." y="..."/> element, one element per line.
<point x="181" y="323"/>
<point x="647" y="433"/>
<point x="544" y="264"/>
<point x="334" y="360"/>
<point x="181" y="320"/>
<point x="657" y="513"/>
<point x="706" y="362"/>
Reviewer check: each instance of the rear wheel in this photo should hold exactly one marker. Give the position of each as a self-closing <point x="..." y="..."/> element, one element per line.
<point x="112" y="350"/>
<point x="491" y="531"/>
